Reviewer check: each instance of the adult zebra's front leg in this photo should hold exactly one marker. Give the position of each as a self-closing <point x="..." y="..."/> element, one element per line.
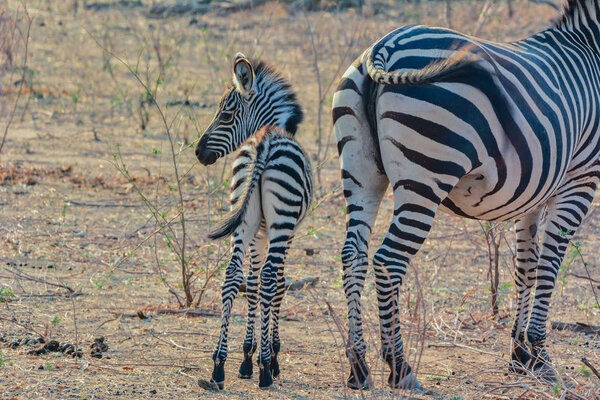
<point x="566" y="211"/>
<point x="257" y="254"/>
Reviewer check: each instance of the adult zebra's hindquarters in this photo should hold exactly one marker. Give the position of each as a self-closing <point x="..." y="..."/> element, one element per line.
<point x="271" y="192"/>
<point x="478" y="129"/>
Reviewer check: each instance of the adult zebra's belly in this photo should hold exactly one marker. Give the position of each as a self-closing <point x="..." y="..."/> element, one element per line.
<point x="475" y="197"/>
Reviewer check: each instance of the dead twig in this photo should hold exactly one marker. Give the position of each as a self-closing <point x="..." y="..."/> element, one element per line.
<point x="576" y="327"/>
<point x="590" y="366"/>
<point x="22" y="80"/>
<point x="27" y="327"/>
<point x="85" y="204"/>
<point x="39" y="280"/>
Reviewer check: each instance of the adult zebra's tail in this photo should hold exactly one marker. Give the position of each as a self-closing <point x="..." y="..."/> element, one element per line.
<point x="229" y="224"/>
<point x="434" y="72"/>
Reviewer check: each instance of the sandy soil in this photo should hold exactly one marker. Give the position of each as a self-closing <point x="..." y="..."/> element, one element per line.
<point x="63" y="204"/>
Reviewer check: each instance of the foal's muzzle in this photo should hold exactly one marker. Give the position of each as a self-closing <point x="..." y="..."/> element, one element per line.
<point x="206" y="157"/>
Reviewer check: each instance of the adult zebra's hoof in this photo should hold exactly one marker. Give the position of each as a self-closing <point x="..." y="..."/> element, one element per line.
<point x="246" y="367"/>
<point x="408" y="382"/>
<point x="265" y="379"/>
<point x="359" y="376"/>
<point x="542" y="367"/>
<point x="517" y="368"/>
<point x="520" y="359"/>
<point x="402" y="377"/>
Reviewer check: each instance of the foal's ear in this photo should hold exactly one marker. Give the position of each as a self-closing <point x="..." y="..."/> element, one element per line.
<point x="243" y="75"/>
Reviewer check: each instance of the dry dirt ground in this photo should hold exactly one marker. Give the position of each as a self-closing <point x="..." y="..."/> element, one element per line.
<point x="69" y="217"/>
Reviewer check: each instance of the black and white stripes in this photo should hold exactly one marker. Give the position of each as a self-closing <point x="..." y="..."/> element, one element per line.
<point x="271" y="192"/>
<point x="483" y="130"/>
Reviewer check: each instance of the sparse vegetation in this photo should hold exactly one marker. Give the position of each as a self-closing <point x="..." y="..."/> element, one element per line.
<point x="104" y="211"/>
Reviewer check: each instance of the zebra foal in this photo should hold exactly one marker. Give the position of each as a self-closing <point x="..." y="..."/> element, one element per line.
<point x="479" y="129"/>
<point x="271" y="191"/>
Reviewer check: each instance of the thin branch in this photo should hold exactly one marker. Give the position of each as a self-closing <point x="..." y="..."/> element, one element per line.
<point x="39" y="280"/>
<point x="590" y="366"/>
<point x="22" y="81"/>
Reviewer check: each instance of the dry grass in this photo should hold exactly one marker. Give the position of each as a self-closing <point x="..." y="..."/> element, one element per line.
<point x="62" y="203"/>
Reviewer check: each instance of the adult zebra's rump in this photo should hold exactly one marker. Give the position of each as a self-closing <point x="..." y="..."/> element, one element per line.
<point x="484" y="130"/>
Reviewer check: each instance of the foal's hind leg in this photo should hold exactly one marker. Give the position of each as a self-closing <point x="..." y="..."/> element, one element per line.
<point x="275" y="341"/>
<point x="233" y="277"/>
<point x="257" y="253"/>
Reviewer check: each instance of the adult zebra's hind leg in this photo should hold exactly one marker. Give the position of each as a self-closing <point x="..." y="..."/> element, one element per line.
<point x="257" y="253"/>
<point x="566" y="210"/>
<point x="420" y="182"/>
<point x="527" y="259"/>
<point x="364" y="186"/>
<point x="415" y="207"/>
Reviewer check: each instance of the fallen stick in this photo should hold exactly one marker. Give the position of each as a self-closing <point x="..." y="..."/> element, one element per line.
<point x="29" y="328"/>
<point x="576" y="327"/>
<point x="39" y="280"/>
<point x="198" y="313"/>
<point x="590" y="366"/>
<point x="108" y="205"/>
<point x="74" y="294"/>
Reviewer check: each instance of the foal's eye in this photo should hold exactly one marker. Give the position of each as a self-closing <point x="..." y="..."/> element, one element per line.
<point x="226" y="116"/>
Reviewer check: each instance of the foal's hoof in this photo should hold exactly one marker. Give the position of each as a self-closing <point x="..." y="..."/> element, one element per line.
<point x="265" y="379"/>
<point x="246" y="368"/>
<point x="210" y="385"/>
<point x="218" y="374"/>
<point x="275" y="368"/>
<point x="359" y="376"/>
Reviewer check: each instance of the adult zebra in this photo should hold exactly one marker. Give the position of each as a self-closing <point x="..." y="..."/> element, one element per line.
<point x="479" y="129"/>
